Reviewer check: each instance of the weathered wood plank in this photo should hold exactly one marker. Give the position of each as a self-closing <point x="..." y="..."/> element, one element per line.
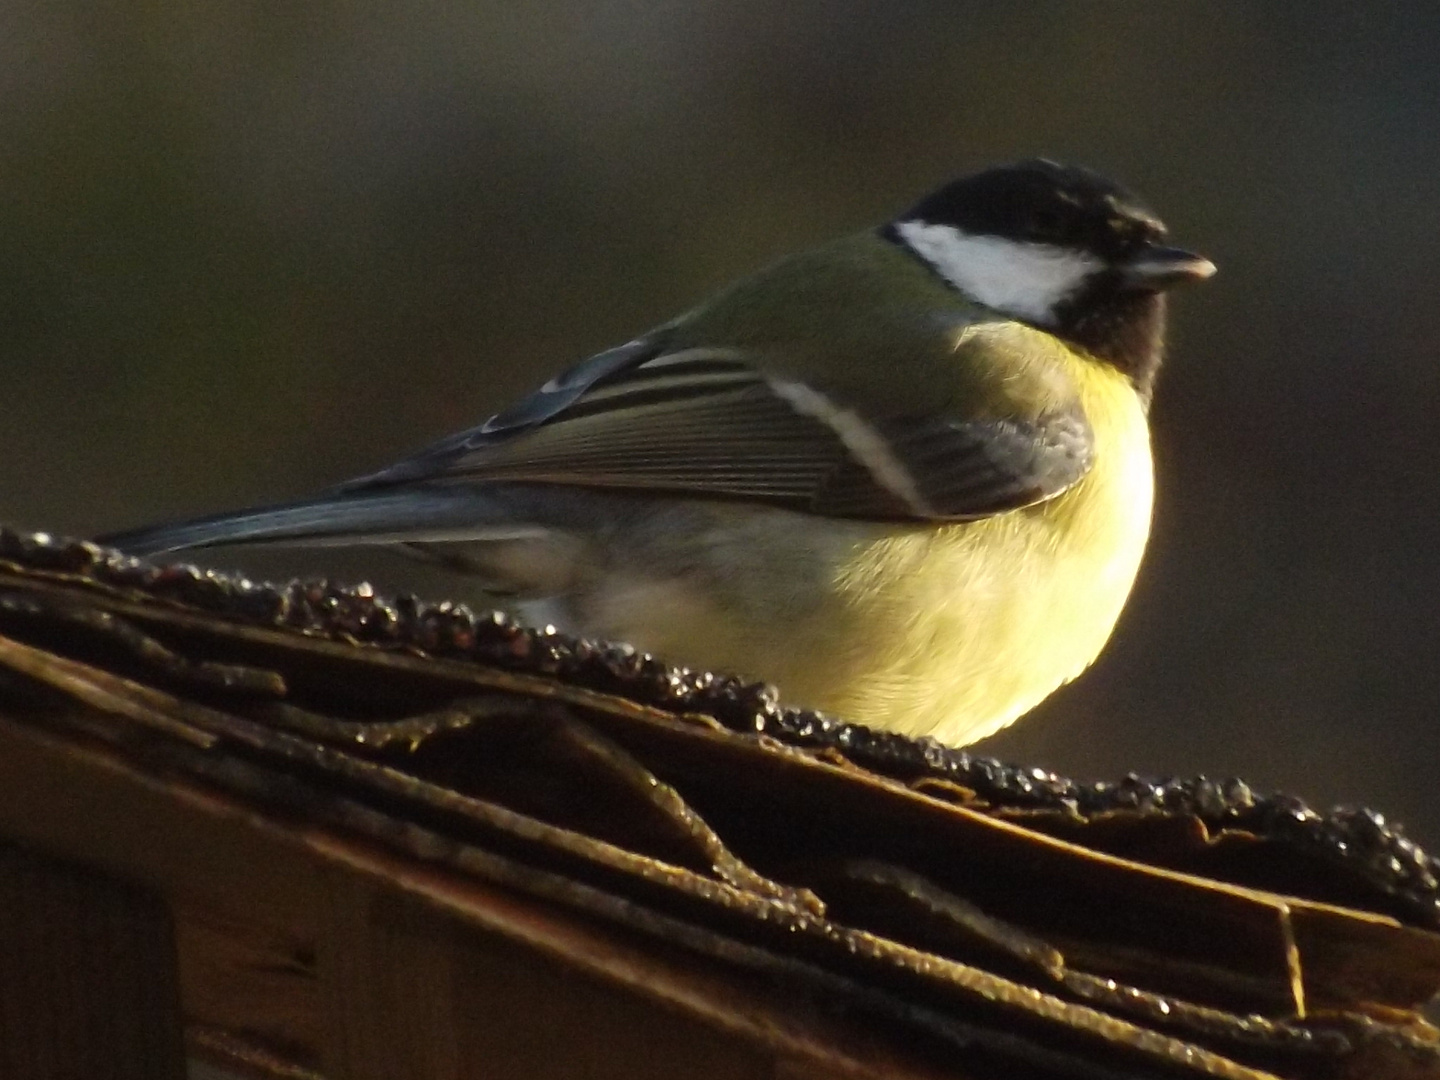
<point x="87" y="976"/>
<point x="397" y="947"/>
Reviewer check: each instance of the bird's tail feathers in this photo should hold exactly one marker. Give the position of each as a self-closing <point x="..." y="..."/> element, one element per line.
<point x="423" y="515"/>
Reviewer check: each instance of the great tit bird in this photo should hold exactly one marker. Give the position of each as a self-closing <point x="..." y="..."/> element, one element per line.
<point x="905" y="476"/>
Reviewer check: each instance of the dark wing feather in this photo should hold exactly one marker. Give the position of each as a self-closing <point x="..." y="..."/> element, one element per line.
<point x="970" y="469"/>
<point x="707" y="423"/>
<point x="551" y="399"/>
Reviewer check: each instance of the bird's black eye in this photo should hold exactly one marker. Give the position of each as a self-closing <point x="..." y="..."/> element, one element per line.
<point x="1045" y="224"/>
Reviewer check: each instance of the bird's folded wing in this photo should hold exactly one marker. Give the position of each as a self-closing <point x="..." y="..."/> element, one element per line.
<point x="710" y="423"/>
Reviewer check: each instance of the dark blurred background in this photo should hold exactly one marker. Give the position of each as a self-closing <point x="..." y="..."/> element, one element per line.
<point x="248" y="249"/>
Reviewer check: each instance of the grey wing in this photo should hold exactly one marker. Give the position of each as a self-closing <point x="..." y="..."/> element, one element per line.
<point x="396" y="505"/>
<point x="551" y="399"/>
<point x="707" y="423"/>
<point x="962" y="470"/>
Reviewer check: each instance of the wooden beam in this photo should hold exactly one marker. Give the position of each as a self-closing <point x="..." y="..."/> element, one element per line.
<point x="87" y="975"/>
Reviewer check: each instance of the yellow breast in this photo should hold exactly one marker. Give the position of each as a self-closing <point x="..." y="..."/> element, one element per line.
<point x="954" y="632"/>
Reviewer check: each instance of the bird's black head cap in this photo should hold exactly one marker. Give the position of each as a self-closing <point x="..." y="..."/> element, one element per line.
<point x="1041" y="202"/>
<point x="1118" y="312"/>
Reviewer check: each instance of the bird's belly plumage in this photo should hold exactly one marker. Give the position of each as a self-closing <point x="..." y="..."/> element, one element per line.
<point x="950" y="631"/>
<point x="992" y="625"/>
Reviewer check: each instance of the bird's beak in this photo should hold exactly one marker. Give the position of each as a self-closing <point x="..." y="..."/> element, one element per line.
<point x="1157" y="268"/>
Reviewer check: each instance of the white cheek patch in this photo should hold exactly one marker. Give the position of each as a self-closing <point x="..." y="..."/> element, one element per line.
<point x="1026" y="280"/>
